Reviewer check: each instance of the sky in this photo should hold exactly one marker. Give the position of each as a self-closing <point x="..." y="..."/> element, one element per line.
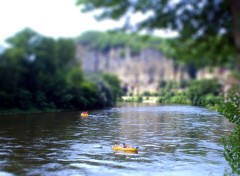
<point x="54" y="18"/>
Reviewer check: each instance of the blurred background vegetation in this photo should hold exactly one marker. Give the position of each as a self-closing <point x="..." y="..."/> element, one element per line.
<point x="104" y="41"/>
<point x="39" y="73"/>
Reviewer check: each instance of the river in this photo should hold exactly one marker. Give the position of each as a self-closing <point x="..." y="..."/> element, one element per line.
<point x="172" y="140"/>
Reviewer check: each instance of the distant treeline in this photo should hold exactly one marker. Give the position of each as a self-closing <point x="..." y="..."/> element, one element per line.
<point x="40" y="73"/>
<point x="206" y="93"/>
<point x="104" y="41"/>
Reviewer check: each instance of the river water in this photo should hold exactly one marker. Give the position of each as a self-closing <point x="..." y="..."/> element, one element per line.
<point x="172" y="140"/>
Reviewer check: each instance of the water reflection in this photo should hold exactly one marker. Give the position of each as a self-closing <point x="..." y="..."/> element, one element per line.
<point x="172" y="140"/>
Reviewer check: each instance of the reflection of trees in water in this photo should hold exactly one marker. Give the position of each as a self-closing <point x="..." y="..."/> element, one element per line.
<point x="34" y="138"/>
<point x="40" y="124"/>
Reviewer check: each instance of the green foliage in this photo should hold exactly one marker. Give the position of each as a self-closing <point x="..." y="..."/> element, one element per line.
<point x="179" y="99"/>
<point x="104" y="41"/>
<point x="170" y="93"/>
<point x="200" y="93"/>
<point x="200" y="53"/>
<point x="41" y="100"/>
<point x="200" y="90"/>
<point x="135" y="99"/>
<point x="173" y="98"/>
<point x="39" y="72"/>
<point x="74" y="77"/>
<point x="65" y="50"/>
<point x="230" y="108"/>
<point x="205" y="27"/>
<point x="139" y="99"/>
<point x="114" y="83"/>
<point x="212" y="101"/>
<point x="23" y="99"/>
<point x="23" y="39"/>
<point x="6" y="100"/>
<point x="231" y="150"/>
<point x="108" y="86"/>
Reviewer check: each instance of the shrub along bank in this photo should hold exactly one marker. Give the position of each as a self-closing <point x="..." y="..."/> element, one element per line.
<point x="199" y="93"/>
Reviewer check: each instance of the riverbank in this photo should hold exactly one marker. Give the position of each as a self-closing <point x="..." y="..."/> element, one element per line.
<point x="142" y="99"/>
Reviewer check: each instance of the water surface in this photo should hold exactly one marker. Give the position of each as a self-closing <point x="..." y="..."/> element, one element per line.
<point x="172" y="140"/>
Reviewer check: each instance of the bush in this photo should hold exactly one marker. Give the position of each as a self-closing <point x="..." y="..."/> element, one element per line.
<point x="6" y="100"/>
<point x="211" y="101"/>
<point x="230" y="108"/>
<point x="201" y="93"/>
<point x="139" y="99"/>
<point x="23" y="99"/>
<point x="199" y="89"/>
<point x="180" y="99"/>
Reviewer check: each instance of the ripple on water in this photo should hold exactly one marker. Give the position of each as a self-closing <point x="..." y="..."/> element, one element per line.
<point x="6" y="173"/>
<point x="172" y="140"/>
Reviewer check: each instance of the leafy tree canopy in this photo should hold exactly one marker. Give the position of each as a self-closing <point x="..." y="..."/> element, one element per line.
<point x="42" y="73"/>
<point x="207" y="28"/>
<point x="104" y="41"/>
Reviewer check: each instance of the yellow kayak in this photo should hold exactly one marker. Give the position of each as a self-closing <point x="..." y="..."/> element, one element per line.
<point x="83" y="114"/>
<point x="127" y="149"/>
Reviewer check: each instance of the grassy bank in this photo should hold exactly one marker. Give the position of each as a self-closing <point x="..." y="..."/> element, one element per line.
<point x="140" y="99"/>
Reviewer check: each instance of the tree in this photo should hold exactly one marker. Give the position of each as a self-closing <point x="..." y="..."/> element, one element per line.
<point x="114" y="83"/>
<point x="42" y="73"/>
<point x="104" y="41"/>
<point x="205" y="26"/>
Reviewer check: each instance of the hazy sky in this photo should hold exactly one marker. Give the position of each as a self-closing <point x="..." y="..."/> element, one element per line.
<point x="55" y="18"/>
<point x="48" y="17"/>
